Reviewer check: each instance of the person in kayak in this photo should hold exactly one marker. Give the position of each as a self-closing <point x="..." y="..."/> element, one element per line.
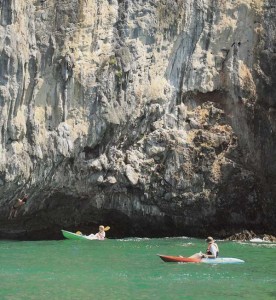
<point x="98" y="236"/>
<point x="101" y="234"/>
<point x="16" y="206"/>
<point x="212" y="249"/>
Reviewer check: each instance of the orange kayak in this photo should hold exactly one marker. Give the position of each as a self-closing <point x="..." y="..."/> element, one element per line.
<point x="168" y="258"/>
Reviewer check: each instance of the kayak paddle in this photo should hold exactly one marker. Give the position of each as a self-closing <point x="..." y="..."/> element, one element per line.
<point x="106" y="228"/>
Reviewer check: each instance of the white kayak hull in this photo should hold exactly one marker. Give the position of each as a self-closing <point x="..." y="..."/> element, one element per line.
<point x="222" y="260"/>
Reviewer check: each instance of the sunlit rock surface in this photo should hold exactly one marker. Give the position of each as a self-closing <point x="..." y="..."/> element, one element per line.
<point x="153" y="117"/>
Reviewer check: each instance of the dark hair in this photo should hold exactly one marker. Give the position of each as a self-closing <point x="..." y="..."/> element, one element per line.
<point x="25" y="198"/>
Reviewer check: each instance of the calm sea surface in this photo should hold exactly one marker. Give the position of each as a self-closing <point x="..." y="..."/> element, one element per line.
<point x="130" y="269"/>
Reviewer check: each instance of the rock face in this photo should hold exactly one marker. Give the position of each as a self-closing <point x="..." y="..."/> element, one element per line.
<point x="154" y="117"/>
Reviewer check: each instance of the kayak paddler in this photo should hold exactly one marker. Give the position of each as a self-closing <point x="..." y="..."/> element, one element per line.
<point x="212" y="249"/>
<point x="100" y="235"/>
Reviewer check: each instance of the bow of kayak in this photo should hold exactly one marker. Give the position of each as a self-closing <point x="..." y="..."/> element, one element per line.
<point x="218" y="260"/>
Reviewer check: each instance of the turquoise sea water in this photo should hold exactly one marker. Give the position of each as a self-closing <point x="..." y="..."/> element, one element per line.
<point x="130" y="269"/>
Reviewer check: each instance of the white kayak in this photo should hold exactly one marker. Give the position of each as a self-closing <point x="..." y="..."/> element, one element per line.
<point x="222" y="260"/>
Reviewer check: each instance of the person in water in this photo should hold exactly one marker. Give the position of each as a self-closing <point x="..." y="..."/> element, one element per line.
<point x="212" y="249"/>
<point x="16" y="206"/>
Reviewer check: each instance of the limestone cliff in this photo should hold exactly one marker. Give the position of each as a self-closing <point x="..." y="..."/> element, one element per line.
<point x="154" y="117"/>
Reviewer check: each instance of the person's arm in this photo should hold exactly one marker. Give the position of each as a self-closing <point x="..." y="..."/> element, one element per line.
<point x="100" y="235"/>
<point x="213" y="251"/>
<point x="21" y="202"/>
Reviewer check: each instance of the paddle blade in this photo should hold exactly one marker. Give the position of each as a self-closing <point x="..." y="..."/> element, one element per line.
<point x="106" y="228"/>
